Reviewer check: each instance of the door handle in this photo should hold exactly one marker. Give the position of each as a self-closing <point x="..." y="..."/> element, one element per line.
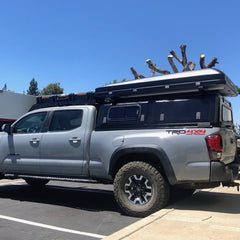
<point x="75" y="140"/>
<point x="35" y="141"/>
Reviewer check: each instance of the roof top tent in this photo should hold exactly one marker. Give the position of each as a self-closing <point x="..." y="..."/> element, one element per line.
<point x="191" y="82"/>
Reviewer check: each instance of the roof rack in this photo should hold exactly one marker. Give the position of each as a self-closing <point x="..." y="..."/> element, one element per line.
<point x="64" y="100"/>
<point x="159" y="87"/>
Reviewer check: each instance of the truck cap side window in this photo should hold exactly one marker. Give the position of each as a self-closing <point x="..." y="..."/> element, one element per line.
<point x="66" y="120"/>
<point x="122" y="116"/>
<point x="179" y="111"/>
<point x="226" y="114"/>
<point x="30" y="124"/>
<point x="123" y="113"/>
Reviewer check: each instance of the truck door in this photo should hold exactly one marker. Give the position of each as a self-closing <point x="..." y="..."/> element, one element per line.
<point x="62" y="146"/>
<point x="21" y="148"/>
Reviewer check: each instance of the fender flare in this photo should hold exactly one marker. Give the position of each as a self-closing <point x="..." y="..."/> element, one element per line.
<point x="155" y="150"/>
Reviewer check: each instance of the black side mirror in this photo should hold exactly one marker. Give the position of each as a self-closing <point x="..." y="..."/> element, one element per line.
<point x="6" y="128"/>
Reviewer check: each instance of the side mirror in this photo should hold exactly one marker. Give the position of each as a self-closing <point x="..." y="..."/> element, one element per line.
<point x="6" y="128"/>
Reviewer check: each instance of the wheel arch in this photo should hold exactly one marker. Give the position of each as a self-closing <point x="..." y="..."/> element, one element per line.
<point x="152" y="154"/>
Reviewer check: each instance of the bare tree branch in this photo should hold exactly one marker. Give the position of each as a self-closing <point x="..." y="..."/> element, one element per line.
<point x="152" y="70"/>
<point x="183" y="61"/>
<point x="202" y="61"/>
<point x="170" y="60"/>
<point x="212" y="63"/>
<point x="183" y="51"/>
<point x="136" y="75"/>
<point x="153" y="67"/>
<point x="175" y="55"/>
<point x="192" y="67"/>
<point x="186" y="67"/>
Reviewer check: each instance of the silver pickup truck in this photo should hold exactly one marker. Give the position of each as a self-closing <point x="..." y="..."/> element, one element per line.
<point x="147" y="149"/>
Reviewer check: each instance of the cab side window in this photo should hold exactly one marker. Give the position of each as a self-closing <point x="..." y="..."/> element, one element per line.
<point x="30" y="124"/>
<point x="66" y="120"/>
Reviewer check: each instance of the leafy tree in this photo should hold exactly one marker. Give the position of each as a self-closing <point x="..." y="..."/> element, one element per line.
<point x="238" y="89"/>
<point x="5" y="87"/>
<point x="33" y="88"/>
<point x="116" y="81"/>
<point x="123" y="80"/>
<point x="52" y="88"/>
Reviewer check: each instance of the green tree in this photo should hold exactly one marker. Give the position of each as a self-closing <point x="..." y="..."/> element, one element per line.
<point x="52" y="88"/>
<point x="33" y="88"/>
<point x="238" y="89"/>
<point x="116" y="81"/>
<point x="5" y="87"/>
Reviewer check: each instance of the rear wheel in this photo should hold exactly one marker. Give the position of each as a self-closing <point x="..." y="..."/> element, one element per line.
<point x="34" y="182"/>
<point x="140" y="189"/>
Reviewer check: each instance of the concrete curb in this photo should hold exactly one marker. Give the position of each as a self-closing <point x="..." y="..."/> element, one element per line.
<point x="139" y="225"/>
<point x="208" y="214"/>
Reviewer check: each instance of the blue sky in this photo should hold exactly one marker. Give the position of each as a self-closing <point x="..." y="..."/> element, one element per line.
<point x="86" y="44"/>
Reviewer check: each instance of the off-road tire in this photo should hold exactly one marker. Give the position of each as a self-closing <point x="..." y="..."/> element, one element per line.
<point x="152" y="186"/>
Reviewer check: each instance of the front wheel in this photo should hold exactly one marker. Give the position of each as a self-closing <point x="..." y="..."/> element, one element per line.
<point x="140" y="189"/>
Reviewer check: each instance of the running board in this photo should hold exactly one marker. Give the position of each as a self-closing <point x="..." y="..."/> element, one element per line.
<point x="69" y="179"/>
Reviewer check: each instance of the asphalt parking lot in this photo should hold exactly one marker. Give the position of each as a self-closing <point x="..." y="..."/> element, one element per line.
<point x="67" y="211"/>
<point x="61" y="210"/>
<point x="209" y="214"/>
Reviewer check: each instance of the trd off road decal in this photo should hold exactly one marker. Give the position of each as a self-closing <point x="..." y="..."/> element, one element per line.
<point x="187" y="132"/>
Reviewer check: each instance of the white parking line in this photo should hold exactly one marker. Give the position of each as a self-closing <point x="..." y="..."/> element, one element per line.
<point x="51" y="227"/>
